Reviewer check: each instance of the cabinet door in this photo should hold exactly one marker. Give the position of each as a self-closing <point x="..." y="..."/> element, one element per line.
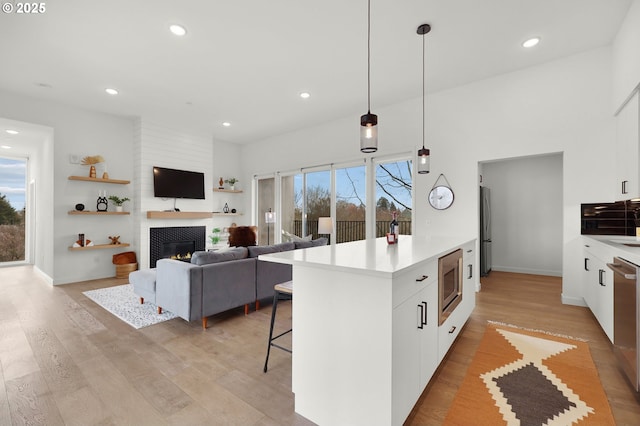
<point x="415" y="349"/>
<point x="605" y="300"/>
<point x="627" y="150"/>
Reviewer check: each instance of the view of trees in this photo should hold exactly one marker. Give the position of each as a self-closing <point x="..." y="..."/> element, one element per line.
<point x="12" y="232"/>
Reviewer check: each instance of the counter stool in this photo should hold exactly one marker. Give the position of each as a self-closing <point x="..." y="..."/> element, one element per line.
<point x="282" y="291"/>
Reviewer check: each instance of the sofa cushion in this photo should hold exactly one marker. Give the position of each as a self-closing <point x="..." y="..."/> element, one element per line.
<point x="256" y="251"/>
<point x="207" y="257"/>
<point x="287" y="236"/>
<point x="322" y="241"/>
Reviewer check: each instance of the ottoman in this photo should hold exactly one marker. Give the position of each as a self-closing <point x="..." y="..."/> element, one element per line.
<point x="144" y="284"/>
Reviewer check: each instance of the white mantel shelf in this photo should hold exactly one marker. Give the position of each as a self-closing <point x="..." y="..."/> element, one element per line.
<point x="373" y="257"/>
<point x="151" y="214"/>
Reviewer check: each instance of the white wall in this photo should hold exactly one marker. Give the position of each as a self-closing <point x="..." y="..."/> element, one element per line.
<point x="626" y="59"/>
<point x="82" y="132"/>
<point x="562" y="106"/>
<point x="526" y="213"/>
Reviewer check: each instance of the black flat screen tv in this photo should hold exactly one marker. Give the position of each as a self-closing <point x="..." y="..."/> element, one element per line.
<point x="172" y="183"/>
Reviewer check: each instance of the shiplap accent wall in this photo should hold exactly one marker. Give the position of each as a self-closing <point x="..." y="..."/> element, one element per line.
<point x="160" y="146"/>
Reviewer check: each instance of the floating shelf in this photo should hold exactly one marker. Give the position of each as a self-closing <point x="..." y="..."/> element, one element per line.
<point x="226" y="214"/>
<point x="76" y="212"/>
<point x="178" y="215"/>
<point x="100" y="246"/>
<point x="232" y="191"/>
<point x="90" y="179"/>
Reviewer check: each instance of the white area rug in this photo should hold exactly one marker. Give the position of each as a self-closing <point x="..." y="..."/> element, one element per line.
<point x="122" y="302"/>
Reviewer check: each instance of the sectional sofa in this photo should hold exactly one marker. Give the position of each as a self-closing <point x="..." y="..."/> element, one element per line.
<point x="216" y="281"/>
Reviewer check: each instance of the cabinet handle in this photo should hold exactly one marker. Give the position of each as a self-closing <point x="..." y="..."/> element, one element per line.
<point x="624" y="186"/>
<point x="452" y="329"/>
<point x="600" y="278"/>
<point x="426" y="310"/>
<point x="470" y="271"/>
<point x="421" y="326"/>
<point x="586" y="263"/>
<point x="422" y="278"/>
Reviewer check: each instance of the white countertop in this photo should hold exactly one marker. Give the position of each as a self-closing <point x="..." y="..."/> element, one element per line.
<point x="374" y="257"/>
<point x="617" y="243"/>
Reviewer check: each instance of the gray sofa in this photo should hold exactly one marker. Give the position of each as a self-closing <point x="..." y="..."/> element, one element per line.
<point x="217" y="281"/>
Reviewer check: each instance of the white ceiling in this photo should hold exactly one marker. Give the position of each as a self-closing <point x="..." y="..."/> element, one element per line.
<point x="246" y="61"/>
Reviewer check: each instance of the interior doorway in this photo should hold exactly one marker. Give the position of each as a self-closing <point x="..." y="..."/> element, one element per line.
<point x="526" y="213"/>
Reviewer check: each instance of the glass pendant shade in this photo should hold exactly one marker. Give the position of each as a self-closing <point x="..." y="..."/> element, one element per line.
<point x="369" y="132"/>
<point x="423" y="161"/>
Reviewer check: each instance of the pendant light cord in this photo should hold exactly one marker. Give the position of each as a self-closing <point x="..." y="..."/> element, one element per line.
<point x="423" y="92"/>
<point x="369" y="56"/>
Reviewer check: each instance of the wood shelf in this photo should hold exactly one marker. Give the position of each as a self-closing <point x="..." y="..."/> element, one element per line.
<point x="100" y="246"/>
<point x="217" y="214"/>
<point x="178" y="215"/>
<point x="90" y="179"/>
<point x="76" y="212"/>
<point x="232" y="191"/>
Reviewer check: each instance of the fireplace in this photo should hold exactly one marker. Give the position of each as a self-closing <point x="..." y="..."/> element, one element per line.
<point x="449" y="284"/>
<point x="178" y="242"/>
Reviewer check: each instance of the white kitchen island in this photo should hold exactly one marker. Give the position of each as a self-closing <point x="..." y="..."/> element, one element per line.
<point x="366" y="338"/>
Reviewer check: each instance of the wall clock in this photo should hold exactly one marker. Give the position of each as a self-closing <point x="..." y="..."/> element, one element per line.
<point x="441" y="196"/>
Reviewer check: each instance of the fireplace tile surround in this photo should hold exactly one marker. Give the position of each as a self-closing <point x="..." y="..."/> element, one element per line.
<point x="178" y="237"/>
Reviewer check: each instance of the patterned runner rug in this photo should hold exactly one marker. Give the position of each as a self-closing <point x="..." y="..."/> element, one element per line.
<point x="522" y="377"/>
<point x="122" y="302"/>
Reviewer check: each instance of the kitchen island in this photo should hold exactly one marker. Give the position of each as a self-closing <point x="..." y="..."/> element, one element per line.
<point x="366" y="337"/>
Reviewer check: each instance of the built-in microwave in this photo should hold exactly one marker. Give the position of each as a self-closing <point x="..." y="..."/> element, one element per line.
<point x="449" y="284"/>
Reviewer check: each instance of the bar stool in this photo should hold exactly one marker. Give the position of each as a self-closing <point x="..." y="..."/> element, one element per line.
<point x="282" y="291"/>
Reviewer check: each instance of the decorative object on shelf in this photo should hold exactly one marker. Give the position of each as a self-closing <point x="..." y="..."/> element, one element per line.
<point x="232" y="183"/>
<point x="441" y="196"/>
<point x="79" y="207"/>
<point x="423" y="154"/>
<point x="115" y="240"/>
<point x="225" y="209"/>
<point x="221" y="183"/>
<point x="82" y="242"/>
<point x="215" y="236"/>
<point x="234" y="211"/>
<point x="118" y="202"/>
<point x="369" y="122"/>
<point x="269" y="218"/>
<point x="102" y="203"/>
<point x="92" y="161"/>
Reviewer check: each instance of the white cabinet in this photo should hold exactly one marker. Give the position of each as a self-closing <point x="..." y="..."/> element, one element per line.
<point x="415" y="332"/>
<point x="450" y="329"/>
<point x="598" y="285"/>
<point x="627" y="150"/>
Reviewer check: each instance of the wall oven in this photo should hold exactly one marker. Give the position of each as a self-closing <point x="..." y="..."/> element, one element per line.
<point x="625" y="317"/>
<point x="449" y="284"/>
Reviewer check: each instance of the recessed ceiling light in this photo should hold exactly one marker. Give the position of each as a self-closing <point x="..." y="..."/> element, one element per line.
<point x="111" y="91"/>
<point x="12" y="132"/>
<point x="5" y="147"/>
<point x="178" y="30"/>
<point x="226" y="124"/>
<point x="305" y="95"/>
<point x="45" y="85"/>
<point x="531" y="42"/>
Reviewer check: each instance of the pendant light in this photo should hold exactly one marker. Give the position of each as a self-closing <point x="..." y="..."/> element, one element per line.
<point x="369" y="122"/>
<point x="423" y="154"/>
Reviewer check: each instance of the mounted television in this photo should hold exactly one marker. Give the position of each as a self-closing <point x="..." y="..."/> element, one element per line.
<point x="172" y="183"/>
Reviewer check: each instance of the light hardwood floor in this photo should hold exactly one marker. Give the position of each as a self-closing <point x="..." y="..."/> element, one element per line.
<point x="65" y="360"/>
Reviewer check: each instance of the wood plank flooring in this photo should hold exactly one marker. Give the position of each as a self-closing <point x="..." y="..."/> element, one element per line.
<point x="66" y="361"/>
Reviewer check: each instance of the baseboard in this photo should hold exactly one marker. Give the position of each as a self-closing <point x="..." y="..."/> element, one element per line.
<point x="526" y="271"/>
<point x="44" y="276"/>
<point x="575" y="301"/>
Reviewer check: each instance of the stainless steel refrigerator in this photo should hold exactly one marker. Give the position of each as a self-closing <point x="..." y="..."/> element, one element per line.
<point x="485" y="231"/>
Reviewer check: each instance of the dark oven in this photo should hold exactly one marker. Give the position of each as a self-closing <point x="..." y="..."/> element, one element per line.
<point x="449" y="284"/>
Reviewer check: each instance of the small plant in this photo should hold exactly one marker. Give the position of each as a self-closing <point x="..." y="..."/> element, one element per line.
<point x="117" y="200"/>
<point x="215" y="235"/>
<point x="231" y="181"/>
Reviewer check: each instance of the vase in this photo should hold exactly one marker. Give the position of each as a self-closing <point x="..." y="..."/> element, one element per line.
<point x="233" y="187"/>
<point x="92" y="171"/>
<point x="119" y="208"/>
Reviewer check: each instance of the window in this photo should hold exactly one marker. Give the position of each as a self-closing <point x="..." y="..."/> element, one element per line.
<point x="12" y="209"/>
<point x="393" y="193"/>
<point x="351" y="204"/>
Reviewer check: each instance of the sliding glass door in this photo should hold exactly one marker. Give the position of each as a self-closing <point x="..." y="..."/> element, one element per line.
<point x="351" y="204"/>
<point x="393" y="193"/>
